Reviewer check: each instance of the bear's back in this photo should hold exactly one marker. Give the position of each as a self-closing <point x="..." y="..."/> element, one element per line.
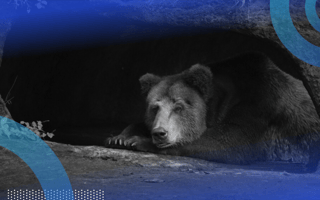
<point x="268" y="95"/>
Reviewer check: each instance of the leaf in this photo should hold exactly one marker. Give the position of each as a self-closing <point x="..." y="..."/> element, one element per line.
<point x="34" y="124"/>
<point x="37" y="132"/>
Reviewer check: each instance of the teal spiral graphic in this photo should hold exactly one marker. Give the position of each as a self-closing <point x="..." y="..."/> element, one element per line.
<point x="38" y="156"/>
<point x="289" y="36"/>
<point x="312" y="14"/>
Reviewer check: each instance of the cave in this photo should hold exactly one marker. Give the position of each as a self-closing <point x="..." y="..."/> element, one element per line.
<point x="78" y="71"/>
<point x="95" y="91"/>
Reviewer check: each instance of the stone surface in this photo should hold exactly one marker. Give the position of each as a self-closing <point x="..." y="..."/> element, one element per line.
<point x="123" y="174"/>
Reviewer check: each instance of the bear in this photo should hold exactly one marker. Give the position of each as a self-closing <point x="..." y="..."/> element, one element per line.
<point x="239" y="111"/>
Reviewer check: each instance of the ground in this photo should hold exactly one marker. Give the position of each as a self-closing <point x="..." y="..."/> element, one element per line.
<point x="124" y="174"/>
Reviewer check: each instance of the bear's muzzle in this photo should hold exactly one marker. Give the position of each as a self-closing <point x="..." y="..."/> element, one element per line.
<point x="159" y="135"/>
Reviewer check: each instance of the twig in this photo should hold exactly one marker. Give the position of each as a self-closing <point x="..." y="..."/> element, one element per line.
<point x="6" y="99"/>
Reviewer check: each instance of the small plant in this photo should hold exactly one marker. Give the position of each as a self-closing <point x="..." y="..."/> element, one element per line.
<point x="12" y="131"/>
<point x="36" y="127"/>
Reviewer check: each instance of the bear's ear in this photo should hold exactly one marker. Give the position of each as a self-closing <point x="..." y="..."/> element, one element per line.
<point x="147" y="81"/>
<point x="200" y="78"/>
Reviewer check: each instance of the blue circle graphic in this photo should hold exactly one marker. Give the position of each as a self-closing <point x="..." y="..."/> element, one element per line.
<point x="289" y="36"/>
<point x="312" y="14"/>
<point x="37" y="155"/>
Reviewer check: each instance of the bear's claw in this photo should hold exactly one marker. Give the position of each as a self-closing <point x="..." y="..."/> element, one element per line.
<point x="118" y="142"/>
<point x="130" y="143"/>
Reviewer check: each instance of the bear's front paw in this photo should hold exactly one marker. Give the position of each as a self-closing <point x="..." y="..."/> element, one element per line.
<point x="133" y="142"/>
<point x="121" y="141"/>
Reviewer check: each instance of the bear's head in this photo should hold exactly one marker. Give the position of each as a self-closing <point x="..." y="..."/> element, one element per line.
<point x="176" y="105"/>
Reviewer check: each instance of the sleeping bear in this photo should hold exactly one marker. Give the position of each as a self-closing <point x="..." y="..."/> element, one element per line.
<point x="239" y="111"/>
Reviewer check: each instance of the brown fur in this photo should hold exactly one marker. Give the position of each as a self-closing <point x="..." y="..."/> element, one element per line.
<point x="237" y="111"/>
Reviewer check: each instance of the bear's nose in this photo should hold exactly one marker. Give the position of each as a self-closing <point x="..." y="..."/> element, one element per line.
<point x="159" y="133"/>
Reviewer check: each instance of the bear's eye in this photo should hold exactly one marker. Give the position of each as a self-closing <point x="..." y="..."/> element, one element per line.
<point x="154" y="108"/>
<point x="178" y="109"/>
